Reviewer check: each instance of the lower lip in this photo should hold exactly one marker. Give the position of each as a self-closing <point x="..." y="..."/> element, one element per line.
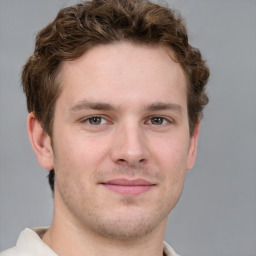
<point x="128" y="190"/>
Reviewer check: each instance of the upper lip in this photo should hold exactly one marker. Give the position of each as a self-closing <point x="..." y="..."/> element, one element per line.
<point x="127" y="182"/>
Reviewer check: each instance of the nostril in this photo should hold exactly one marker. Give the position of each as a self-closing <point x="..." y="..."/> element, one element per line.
<point x="121" y="160"/>
<point x="131" y="160"/>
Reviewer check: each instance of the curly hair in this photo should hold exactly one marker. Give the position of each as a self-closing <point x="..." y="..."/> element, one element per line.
<point x="78" y="28"/>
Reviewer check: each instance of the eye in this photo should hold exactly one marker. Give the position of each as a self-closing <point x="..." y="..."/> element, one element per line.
<point x="158" y="120"/>
<point x="95" y="120"/>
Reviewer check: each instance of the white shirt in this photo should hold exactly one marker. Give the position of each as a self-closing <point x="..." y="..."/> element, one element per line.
<point x="30" y="244"/>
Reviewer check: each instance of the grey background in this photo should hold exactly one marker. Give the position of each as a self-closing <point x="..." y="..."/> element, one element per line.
<point x="217" y="211"/>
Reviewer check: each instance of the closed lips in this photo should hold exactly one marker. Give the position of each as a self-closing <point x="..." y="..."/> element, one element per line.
<point x="128" y="187"/>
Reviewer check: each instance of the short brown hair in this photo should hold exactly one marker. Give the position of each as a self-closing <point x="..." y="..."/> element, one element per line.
<point x="78" y="28"/>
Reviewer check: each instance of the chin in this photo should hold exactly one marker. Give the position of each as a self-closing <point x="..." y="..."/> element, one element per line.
<point x="127" y="226"/>
<point x="130" y="230"/>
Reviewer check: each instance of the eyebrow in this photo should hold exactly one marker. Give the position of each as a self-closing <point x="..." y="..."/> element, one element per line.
<point x="156" y="106"/>
<point x="163" y="106"/>
<point x="85" y="104"/>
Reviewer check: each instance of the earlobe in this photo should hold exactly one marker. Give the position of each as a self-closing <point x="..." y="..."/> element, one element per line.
<point x="193" y="147"/>
<point x="40" y="142"/>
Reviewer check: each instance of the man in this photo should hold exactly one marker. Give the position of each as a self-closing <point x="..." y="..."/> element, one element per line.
<point x="115" y="95"/>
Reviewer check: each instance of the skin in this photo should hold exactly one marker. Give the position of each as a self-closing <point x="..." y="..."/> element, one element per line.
<point x="122" y="114"/>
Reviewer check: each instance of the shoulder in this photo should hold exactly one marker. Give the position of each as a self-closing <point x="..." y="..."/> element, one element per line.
<point x="29" y="244"/>
<point x="11" y="252"/>
<point x="168" y="250"/>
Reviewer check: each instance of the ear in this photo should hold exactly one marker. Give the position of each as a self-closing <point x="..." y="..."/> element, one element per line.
<point x="40" y="142"/>
<point x="193" y="147"/>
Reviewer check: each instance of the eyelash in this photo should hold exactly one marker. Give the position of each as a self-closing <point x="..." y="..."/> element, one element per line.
<point x="88" y="119"/>
<point x="164" y="120"/>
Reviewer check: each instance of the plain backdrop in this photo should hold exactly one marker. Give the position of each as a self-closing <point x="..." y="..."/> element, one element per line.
<point x="216" y="214"/>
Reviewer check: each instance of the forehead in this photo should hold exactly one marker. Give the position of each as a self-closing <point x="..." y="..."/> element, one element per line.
<point x="124" y="71"/>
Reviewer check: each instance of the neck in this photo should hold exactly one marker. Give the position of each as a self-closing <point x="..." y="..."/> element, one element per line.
<point x="66" y="239"/>
<point x="74" y="235"/>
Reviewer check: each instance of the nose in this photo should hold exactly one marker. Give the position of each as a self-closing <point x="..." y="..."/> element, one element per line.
<point x="129" y="146"/>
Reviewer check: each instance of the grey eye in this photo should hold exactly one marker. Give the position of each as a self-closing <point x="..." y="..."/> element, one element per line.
<point x="96" y="120"/>
<point x="157" y="120"/>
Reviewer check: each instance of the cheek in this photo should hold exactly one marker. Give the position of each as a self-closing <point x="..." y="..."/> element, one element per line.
<point x="172" y="159"/>
<point x="172" y="155"/>
<point x="80" y="154"/>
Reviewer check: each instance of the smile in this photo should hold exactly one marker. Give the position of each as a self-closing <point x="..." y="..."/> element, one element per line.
<point x="128" y="187"/>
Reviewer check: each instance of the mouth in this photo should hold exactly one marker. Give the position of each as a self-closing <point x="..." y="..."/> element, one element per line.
<point x="128" y="187"/>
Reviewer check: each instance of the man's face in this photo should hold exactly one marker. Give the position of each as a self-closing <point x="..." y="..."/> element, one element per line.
<point x="121" y="140"/>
